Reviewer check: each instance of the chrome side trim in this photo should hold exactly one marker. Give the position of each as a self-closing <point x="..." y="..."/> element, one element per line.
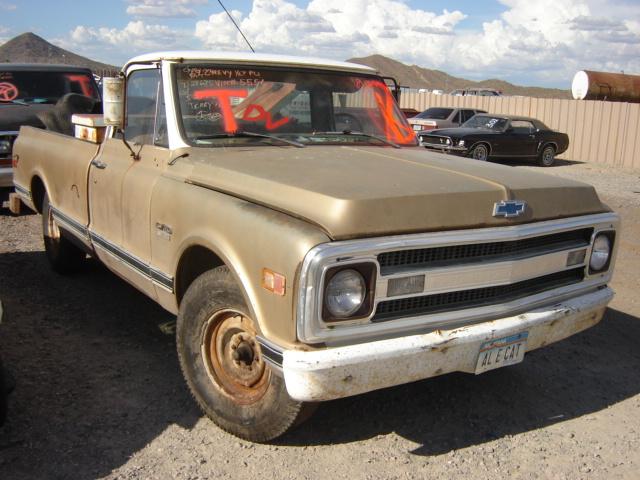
<point x="271" y="352"/>
<point x="311" y="328"/>
<point x="133" y="262"/>
<point x="70" y="224"/>
<point x="22" y="191"/>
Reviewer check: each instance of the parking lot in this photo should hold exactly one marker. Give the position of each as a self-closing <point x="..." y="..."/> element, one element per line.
<point x="100" y="395"/>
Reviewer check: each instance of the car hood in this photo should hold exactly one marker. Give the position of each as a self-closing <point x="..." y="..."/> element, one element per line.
<point x="369" y="191"/>
<point x="13" y="116"/>
<point x="462" y="132"/>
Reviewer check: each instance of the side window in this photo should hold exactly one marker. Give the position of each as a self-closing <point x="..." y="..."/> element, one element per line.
<point x="144" y="87"/>
<point x="522" y="126"/>
<point x="467" y="114"/>
<point x="456" y="117"/>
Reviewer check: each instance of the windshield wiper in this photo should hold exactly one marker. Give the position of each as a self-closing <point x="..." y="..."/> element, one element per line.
<point x="242" y="133"/>
<point x="362" y="134"/>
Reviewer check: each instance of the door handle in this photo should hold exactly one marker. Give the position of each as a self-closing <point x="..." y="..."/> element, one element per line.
<point x="99" y="164"/>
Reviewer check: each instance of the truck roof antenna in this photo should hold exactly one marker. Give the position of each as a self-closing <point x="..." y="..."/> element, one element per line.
<point x="234" y="22"/>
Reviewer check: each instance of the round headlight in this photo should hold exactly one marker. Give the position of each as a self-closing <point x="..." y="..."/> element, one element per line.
<point x="600" y="252"/>
<point x="461" y="143"/>
<point x="345" y="293"/>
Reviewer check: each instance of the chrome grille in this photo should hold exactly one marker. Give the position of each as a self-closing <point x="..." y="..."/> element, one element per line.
<point x="435" y="139"/>
<point x="427" y="304"/>
<point x="481" y="252"/>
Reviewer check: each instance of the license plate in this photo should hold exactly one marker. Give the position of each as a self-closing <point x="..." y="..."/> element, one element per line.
<point x="501" y="352"/>
<point x="417" y="127"/>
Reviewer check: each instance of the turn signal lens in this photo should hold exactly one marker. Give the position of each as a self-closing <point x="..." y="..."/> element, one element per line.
<point x="273" y="281"/>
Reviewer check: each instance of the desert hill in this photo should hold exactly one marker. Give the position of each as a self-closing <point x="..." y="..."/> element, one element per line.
<point x="30" y="48"/>
<point x="417" y="77"/>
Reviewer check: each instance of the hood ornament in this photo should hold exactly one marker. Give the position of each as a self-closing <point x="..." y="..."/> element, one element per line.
<point x="509" y="208"/>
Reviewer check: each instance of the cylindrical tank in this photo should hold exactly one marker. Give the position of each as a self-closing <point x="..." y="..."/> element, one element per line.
<point x="613" y="87"/>
<point x="113" y="100"/>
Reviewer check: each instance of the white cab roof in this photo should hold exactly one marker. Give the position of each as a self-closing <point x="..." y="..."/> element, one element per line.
<point x="244" y="58"/>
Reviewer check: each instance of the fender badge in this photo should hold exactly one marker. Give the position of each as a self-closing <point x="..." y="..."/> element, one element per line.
<point x="509" y="208"/>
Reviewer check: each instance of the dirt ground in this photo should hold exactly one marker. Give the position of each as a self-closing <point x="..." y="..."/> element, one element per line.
<point x="100" y="395"/>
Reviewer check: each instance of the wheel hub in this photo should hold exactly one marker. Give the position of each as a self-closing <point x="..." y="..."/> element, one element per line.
<point x="233" y="358"/>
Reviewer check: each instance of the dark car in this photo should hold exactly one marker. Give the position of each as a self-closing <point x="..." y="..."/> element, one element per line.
<point x="499" y="136"/>
<point x="29" y="91"/>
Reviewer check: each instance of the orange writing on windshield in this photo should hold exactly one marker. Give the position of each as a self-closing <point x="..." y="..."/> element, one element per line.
<point x="393" y="130"/>
<point x="253" y="112"/>
<point x="224" y="103"/>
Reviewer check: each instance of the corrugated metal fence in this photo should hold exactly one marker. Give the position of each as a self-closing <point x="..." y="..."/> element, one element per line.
<point x="599" y="132"/>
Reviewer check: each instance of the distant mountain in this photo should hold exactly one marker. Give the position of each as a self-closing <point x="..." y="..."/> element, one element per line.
<point x="417" y="77"/>
<point x="30" y="48"/>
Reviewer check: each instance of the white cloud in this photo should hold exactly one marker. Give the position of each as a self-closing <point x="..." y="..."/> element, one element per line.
<point x="544" y="41"/>
<point x="117" y="45"/>
<point x="163" y="8"/>
<point x="9" y="7"/>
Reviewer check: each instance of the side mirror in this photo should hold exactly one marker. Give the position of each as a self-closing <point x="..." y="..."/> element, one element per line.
<point x="113" y="101"/>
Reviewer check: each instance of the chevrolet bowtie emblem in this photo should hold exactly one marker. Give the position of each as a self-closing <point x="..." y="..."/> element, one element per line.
<point x="509" y="208"/>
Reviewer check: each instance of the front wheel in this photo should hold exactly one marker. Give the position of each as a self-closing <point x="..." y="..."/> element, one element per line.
<point x="547" y="156"/>
<point x="480" y="152"/>
<point x="222" y="362"/>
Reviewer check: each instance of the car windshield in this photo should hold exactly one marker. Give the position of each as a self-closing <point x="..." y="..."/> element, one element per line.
<point x="26" y="86"/>
<point x="228" y="106"/>
<point x="435" y="113"/>
<point x="486" y="122"/>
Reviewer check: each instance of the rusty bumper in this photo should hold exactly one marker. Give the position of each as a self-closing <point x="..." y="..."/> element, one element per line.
<point x="350" y="370"/>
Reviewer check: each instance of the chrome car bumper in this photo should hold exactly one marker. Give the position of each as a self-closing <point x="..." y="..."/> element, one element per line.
<point x="444" y="148"/>
<point x="350" y="370"/>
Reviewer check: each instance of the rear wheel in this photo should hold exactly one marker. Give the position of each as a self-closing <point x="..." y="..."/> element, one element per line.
<point x="63" y="255"/>
<point x="222" y="362"/>
<point x="480" y="152"/>
<point x="547" y="156"/>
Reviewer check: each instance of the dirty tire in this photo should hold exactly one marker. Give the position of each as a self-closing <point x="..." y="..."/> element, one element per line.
<point x="64" y="257"/>
<point x="480" y="152"/>
<point x="261" y="412"/>
<point x="547" y="156"/>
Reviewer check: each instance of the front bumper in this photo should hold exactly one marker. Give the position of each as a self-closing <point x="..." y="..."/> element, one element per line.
<point x="350" y="370"/>
<point x="445" y="148"/>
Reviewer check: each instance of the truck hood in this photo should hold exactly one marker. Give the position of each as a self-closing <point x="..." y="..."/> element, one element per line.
<point x="369" y="191"/>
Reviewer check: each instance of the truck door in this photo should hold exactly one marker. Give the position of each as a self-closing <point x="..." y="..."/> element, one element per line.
<point x="122" y="181"/>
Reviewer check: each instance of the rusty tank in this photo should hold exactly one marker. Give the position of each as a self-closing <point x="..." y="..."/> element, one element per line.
<point x="613" y="87"/>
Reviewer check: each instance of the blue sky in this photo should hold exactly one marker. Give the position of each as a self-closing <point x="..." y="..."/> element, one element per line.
<point x="528" y="42"/>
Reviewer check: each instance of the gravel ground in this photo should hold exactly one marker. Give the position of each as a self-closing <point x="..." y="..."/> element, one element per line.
<point x="99" y="392"/>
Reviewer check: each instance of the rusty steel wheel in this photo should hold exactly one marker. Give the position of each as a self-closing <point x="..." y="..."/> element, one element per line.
<point x="233" y="358"/>
<point x="223" y="364"/>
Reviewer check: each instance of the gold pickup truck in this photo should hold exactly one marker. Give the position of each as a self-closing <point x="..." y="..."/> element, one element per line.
<point x="311" y="250"/>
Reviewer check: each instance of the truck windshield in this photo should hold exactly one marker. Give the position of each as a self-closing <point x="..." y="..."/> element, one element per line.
<point x="220" y="105"/>
<point x="25" y="86"/>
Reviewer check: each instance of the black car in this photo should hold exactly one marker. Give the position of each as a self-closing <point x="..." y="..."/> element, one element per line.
<point x="28" y="93"/>
<point x="499" y="136"/>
